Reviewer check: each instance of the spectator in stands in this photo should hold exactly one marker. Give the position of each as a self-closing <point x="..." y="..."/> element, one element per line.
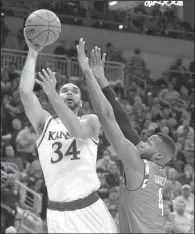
<point x="34" y="176"/>
<point x="170" y="228"/>
<point x="144" y="135"/>
<point x="9" y="72"/>
<point x="178" y="66"/>
<point x="149" y="124"/>
<point x="9" y="199"/>
<point x="172" y="185"/>
<point x="139" y="109"/>
<point x="181" y="218"/>
<point x="131" y="25"/>
<point x="11" y="137"/>
<point x="25" y="143"/>
<point x="12" y="108"/>
<point x="167" y="207"/>
<point x="109" y="51"/>
<point x="186" y="176"/>
<point x="168" y="95"/>
<point x="104" y="187"/>
<point x="113" y="175"/>
<point x="114" y="195"/>
<point x="185" y="134"/>
<point x="136" y="65"/>
<point x="151" y="26"/>
<point x="72" y="52"/>
<point x="187" y="197"/>
<point x="10" y="156"/>
<point x="61" y="48"/>
<point x="104" y="163"/>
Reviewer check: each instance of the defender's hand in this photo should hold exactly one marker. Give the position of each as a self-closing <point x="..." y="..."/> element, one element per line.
<point x="32" y="45"/>
<point x="48" y="81"/>
<point x="82" y="58"/>
<point x="97" y="64"/>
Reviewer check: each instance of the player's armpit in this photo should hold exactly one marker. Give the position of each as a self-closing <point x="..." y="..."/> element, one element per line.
<point x="127" y="152"/>
<point x="133" y="165"/>
<point x="90" y="126"/>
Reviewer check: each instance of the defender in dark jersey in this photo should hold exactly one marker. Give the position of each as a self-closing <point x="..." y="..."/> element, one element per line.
<point x="141" y="193"/>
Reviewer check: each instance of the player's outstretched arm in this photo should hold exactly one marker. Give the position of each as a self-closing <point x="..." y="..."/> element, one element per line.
<point x="32" y="107"/>
<point x="85" y="128"/>
<point x="129" y="154"/>
<point x="124" y="122"/>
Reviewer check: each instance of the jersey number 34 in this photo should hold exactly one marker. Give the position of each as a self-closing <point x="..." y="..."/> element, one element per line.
<point x="72" y="150"/>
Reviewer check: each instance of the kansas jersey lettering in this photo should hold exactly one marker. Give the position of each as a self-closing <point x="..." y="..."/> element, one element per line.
<point x="69" y="164"/>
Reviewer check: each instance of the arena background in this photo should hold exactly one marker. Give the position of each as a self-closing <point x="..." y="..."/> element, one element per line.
<point x="150" y="65"/>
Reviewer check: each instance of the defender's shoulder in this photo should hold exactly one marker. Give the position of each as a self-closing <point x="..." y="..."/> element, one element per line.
<point x="89" y="116"/>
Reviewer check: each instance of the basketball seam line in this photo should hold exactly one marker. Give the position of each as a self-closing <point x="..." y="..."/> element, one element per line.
<point x="41" y="33"/>
<point x="44" y="19"/>
<point x="28" y="26"/>
<point x="48" y="29"/>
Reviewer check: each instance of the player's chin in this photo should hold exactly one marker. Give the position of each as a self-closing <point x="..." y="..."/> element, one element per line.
<point x="70" y="104"/>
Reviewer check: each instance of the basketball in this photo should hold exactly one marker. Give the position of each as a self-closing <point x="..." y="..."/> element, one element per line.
<point x="42" y="27"/>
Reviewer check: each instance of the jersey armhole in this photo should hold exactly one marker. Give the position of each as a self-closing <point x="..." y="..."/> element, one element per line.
<point x="95" y="140"/>
<point x="145" y="178"/>
<point x="48" y="121"/>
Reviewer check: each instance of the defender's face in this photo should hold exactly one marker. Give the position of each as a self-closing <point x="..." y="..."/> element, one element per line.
<point x="71" y="95"/>
<point x="150" y="147"/>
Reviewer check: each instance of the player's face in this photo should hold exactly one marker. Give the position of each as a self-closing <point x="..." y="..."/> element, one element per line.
<point x="71" y="95"/>
<point x="150" y="147"/>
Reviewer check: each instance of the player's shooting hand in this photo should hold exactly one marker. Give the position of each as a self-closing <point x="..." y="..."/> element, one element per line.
<point x="97" y="64"/>
<point x="82" y="58"/>
<point x="48" y="81"/>
<point x="32" y="45"/>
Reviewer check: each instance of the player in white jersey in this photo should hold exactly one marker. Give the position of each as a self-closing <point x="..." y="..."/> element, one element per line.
<point x="67" y="149"/>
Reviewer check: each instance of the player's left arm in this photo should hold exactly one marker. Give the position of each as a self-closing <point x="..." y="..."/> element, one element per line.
<point x="87" y="127"/>
<point x="129" y="154"/>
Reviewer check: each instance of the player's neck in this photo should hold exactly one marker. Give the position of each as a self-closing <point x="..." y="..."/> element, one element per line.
<point x="76" y="112"/>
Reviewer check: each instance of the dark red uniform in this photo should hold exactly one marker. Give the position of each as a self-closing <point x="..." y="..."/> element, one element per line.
<point x="141" y="211"/>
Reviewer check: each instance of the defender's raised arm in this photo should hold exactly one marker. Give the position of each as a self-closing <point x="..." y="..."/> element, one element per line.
<point x="125" y="149"/>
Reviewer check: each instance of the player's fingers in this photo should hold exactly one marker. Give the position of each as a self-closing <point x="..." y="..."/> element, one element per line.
<point x="99" y="54"/>
<point x="42" y="77"/>
<point x="96" y="55"/>
<point x="51" y="74"/>
<point x="92" y="57"/>
<point x="103" y="59"/>
<point x="80" y="44"/>
<point x="47" y="76"/>
<point x="39" y="82"/>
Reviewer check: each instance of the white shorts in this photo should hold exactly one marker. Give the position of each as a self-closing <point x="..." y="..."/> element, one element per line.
<point x="92" y="219"/>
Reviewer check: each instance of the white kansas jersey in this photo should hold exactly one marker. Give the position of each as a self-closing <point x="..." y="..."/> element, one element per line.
<point x="69" y="164"/>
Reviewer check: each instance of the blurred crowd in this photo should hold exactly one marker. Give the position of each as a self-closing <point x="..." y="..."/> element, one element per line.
<point x="159" y="21"/>
<point x="166" y="105"/>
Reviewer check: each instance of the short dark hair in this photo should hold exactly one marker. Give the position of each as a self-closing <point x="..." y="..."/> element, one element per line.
<point x="168" y="141"/>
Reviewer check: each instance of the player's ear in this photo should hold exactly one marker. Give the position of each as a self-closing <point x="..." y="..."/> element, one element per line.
<point x="81" y="104"/>
<point x="158" y="156"/>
